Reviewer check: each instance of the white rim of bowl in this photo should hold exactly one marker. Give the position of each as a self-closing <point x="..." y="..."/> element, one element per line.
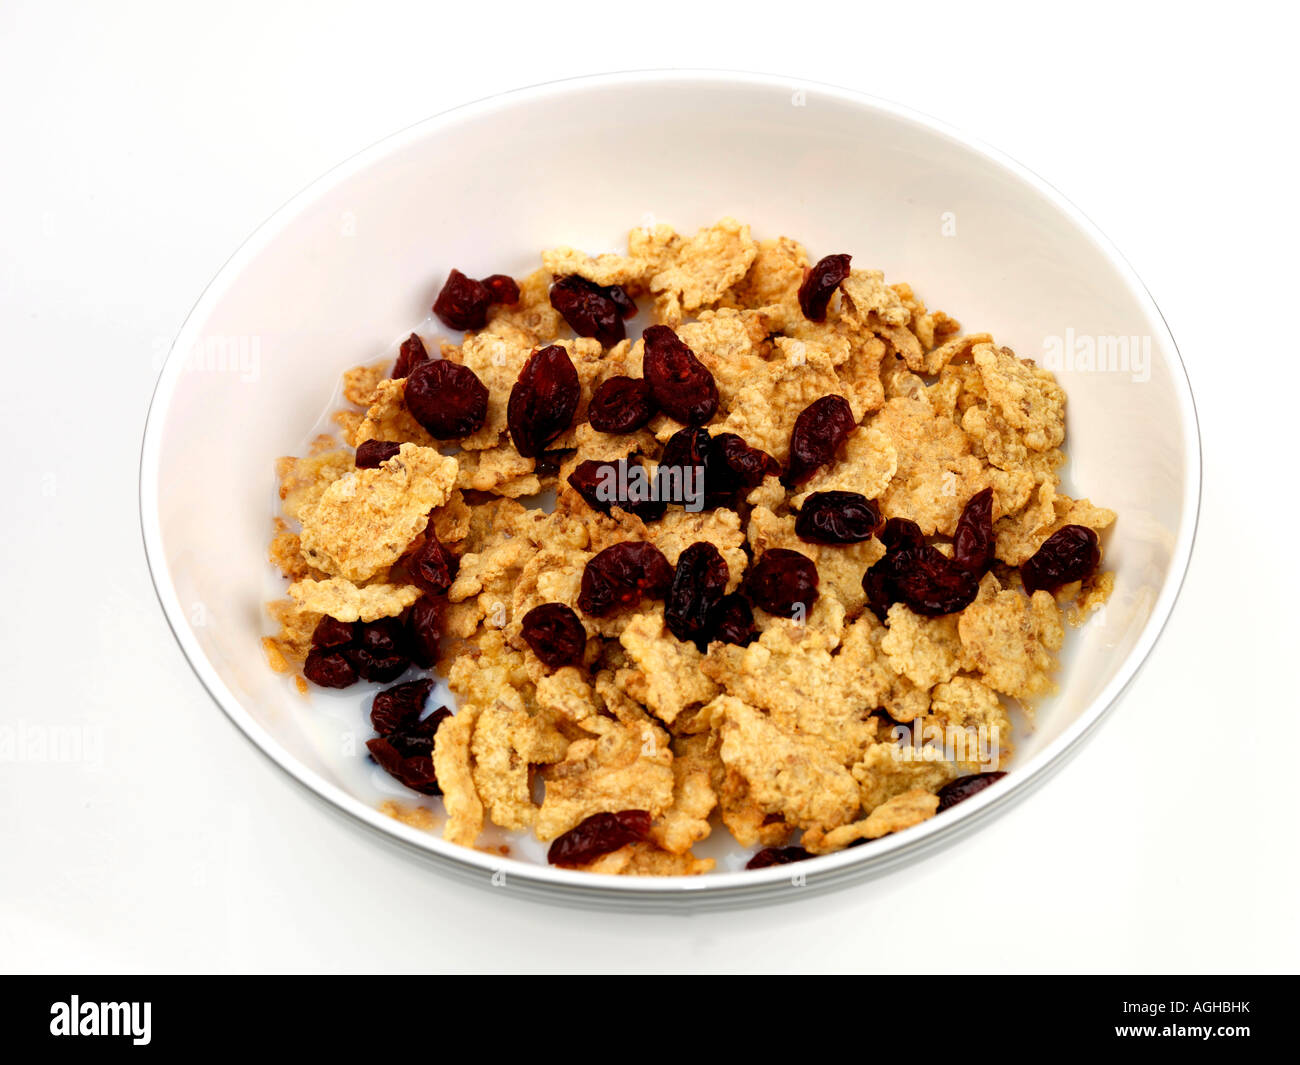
<point x="827" y="870"/>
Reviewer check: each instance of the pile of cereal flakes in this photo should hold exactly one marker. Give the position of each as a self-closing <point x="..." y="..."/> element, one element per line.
<point x="807" y="538"/>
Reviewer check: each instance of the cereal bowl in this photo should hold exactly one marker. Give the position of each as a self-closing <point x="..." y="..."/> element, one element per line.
<point x="350" y="265"/>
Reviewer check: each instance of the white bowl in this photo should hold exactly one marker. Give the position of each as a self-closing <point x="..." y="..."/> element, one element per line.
<point x="350" y="265"/>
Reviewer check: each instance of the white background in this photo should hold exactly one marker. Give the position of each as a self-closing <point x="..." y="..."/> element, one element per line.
<point x="141" y="143"/>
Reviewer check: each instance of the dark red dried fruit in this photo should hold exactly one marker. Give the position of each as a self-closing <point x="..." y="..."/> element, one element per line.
<point x="329" y="669"/>
<point x="379" y="652"/>
<point x="620" y="405"/>
<point x="963" y="788"/>
<point x="599" y="834"/>
<point x="837" y="518"/>
<point x="555" y="634"/>
<point x="463" y="302"/>
<point x="699" y="583"/>
<point x="399" y="706"/>
<point x="502" y="288"/>
<point x="1069" y="554"/>
<point x="916" y="574"/>
<point x="410" y="356"/>
<point x="681" y="386"/>
<point x="543" y="400"/>
<point x="331" y="633"/>
<point x="733" y="620"/>
<point x="783" y="581"/>
<point x="424" y="630"/>
<point x="407" y="754"/>
<point x="621" y="576"/>
<point x="818" y="432"/>
<point x="432" y="567"/>
<point x="820" y="284"/>
<point x="593" y="310"/>
<point x="973" y="542"/>
<point x="370" y="453"/>
<point x="692" y="471"/>
<point x="605" y="485"/>
<point x="770" y="856"/>
<point x="447" y="399"/>
<point x="742" y="466"/>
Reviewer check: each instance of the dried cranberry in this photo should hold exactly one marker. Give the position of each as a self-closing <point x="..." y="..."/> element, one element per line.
<point x="424" y="630"/>
<point x="744" y="467"/>
<point x="681" y="386"/>
<point x="399" y="706"/>
<point x="330" y="633"/>
<point x="410" y="356"/>
<point x="973" y="542"/>
<point x="1069" y="554"/>
<point x="432" y="567"/>
<point x="770" y="856"/>
<point x="543" y="400"/>
<point x="818" y="433"/>
<point x="380" y="652"/>
<point x="447" y="399"/>
<point x="820" y="284"/>
<point x="837" y="518"/>
<point x="599" y="834"/>
<point x="329" y="669"/>
<point x="463" y="302"/>
<point x="593" y="310"/>
<point x="621" y="576"/>
<point x="502" y="288"/>
<point x="620" y="405"/>
<point x="370" y="453"/>
<point x="916" y="574"/>
<point x="782" y="581"/>
<point x="555" y="634"/>
<point x="623" y="483"/>
<point x="699" y="583"/>
<point x="733" y="620"/>
<point x="407" y="753"/>
<point x="687" y="470"/>
<point x="963" y="788"/>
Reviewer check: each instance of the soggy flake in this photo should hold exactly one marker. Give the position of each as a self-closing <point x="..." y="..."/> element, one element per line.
<point x="359" y="382"/>
<point x="453" y="764"/>
<point x="285" y="553"/>
<point x="1020" y="535"/>
<point x="645" y="859"/>
<point x="507" y="740"/>
<point x="1010" y="639"/>
<point x="902" y="811"/>
<point x="365" y="520"/>
<point x="888" y="770"/>
<point x="388" y="419"/>
<point x="344" y="601"/>
<point x="296" y="624"/>
<point x="618" y="767"/>
<point x="303" y="481"/>
<point x="936" y="472"/>
<point x="666" y="678"/>
<point x="787" y="774"/>
<point x="686" y="821"/>
<point x="927" y="651"/>
<point x="773" y="277"/>
<point x="500" y="470"/>
<point x="533" y="317"/>
<point x="973" y="708"/>
<point x="764" y="410"/>
<point x="866" y="463"/>
<point x="1026" y="396"/>
<point x="605" y="269"/>
<point x="419" y="817"/>
<point x="696" y="272"/>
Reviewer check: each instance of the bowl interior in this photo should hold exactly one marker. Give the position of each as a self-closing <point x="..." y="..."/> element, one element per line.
<point x="351" y="266"/>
